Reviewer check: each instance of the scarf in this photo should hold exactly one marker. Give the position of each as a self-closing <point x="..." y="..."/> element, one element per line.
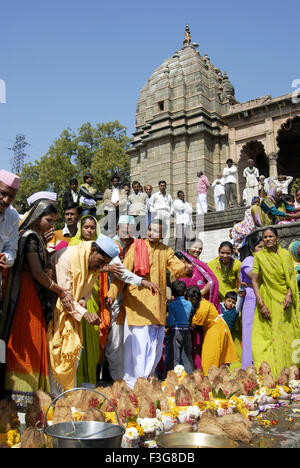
<point x="141" y="258"/>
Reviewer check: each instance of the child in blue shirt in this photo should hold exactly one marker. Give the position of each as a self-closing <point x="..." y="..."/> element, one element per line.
<point x="228" y="308"/>
<point x="178" y="323"/>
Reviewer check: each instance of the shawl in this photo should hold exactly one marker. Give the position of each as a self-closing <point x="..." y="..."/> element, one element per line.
<point x="64" y="333"/>
<point x="202" y="275"/>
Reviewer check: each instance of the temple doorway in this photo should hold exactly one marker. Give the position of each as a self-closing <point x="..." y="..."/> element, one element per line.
<point x="288" y="142"/>
<point x="252" y="150"/>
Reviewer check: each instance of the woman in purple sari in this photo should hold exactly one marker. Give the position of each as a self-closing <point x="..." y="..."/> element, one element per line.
<point x="202" y="277"/>
<point x="254" y="245"/>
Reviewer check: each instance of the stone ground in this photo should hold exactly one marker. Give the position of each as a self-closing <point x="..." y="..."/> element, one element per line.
<point x="284" y="434"/>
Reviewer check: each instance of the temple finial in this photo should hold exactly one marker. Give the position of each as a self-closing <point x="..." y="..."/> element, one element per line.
<point x="187" y="36"/>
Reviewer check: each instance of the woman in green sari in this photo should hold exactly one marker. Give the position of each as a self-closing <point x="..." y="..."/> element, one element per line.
<point x="276" y="319"/>
<point x="89" y="230"/>
<point x="227" y="270"/>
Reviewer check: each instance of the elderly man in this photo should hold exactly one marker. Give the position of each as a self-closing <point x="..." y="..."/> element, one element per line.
<point x="114" y="351"/>
<point x="9" y="223"/>
<point x="144" y="324"/>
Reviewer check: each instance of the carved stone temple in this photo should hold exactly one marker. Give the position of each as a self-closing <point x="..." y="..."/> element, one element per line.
<point x="188" y="119"/>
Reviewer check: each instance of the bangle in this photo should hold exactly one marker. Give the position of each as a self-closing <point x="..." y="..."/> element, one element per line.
<point x="51" y="284"/>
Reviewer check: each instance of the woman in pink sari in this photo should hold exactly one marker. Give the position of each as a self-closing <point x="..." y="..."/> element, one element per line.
<point x="202" y="277"/>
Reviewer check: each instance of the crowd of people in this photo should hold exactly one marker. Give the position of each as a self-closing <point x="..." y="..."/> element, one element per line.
<point x="105" y="297"/>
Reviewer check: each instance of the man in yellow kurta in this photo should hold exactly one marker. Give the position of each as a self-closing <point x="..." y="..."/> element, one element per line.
<point x="145" y="319"/>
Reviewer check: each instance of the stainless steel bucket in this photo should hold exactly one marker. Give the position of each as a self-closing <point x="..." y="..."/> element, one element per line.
<point x="84" y="434"/>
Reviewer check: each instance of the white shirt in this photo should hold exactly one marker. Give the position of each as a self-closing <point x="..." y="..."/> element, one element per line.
<point x="218" y="188"/>
<point x="229" y="174"/>
<point x="9" y="234"/>
<point x="183" y="212"/>
<point x="161" y="204"/>
<point x="115" y="196"/>
<point x="284" y="184"/>
<point x="75" y="196"/>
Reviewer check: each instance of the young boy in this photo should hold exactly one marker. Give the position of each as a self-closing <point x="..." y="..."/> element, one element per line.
<point x="229" y="309"/>
<point x="178" y="321"/>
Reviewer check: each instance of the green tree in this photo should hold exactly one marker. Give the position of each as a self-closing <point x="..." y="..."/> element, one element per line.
<point x="101" y="149"/>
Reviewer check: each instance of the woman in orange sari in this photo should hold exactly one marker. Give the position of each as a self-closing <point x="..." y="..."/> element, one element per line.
<point x="31" y="306"/>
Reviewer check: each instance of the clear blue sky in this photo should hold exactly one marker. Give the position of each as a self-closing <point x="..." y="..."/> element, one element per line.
<point x="67" y="62"/>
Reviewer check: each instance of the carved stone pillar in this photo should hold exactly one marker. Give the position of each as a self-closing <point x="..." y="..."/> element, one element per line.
<point x="272" y="159"/>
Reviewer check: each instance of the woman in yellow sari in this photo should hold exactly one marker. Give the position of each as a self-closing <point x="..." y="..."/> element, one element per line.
<point x="218" y="347"/>
<point x="276" y="320"/>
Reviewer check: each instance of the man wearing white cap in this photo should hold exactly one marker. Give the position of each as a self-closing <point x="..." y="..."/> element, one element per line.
<point x="9" y="234"/>
<point x="51" y="196"/>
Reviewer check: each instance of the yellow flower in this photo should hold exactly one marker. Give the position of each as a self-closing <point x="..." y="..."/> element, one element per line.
<point x="276" y="393"/>
<point x="212" y="405"/>
<point x="240" y="406"/>
<point x="76" y="416"/>
<point x="265" y="422"/>
<point x="286" y="389"/>
<point x="174" y="412"/>
<point x="50" y="413"/>
<point x="10" y="438"/>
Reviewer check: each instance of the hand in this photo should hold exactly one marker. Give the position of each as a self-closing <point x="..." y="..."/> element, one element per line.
<point x="266" y="314"/>
<point x="93" y="319"/>
<point x="287" y="301"/>
<point x="68" y="302"/>
<point x="48" y="235"/>
<point x="109" y="302"/>
<point x="3" y="264"/>
<point x="82" y="302"/>
<point x="116" y="269"/>
<point x="154" y="288"/>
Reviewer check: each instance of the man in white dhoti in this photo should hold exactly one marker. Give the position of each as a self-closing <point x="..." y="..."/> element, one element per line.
<point x="219" y="192"/>
<point x="251" y="175"/>
<point x="145" y="314"/>
<point x="114" y="352"/>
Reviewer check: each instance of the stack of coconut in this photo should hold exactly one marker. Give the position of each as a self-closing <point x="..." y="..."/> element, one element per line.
<point x="221" y="403"/>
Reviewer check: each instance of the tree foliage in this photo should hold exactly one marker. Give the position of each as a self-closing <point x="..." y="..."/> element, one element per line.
<point x="100" y="149"/>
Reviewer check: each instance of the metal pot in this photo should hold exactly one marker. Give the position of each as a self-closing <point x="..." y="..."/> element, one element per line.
<point x="84" y="434"/>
